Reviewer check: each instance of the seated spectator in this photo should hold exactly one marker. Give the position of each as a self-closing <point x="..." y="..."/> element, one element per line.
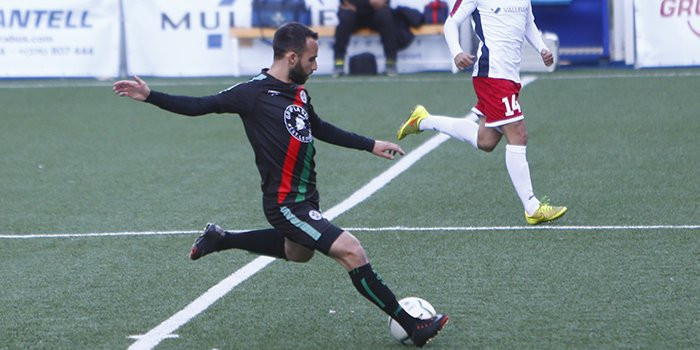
<point x="375" y="14"/>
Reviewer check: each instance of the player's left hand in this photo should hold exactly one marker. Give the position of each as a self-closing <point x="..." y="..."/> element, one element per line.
<point x="547" y="57"/>
<point x="136" y="89"/>
<point x="386" y="149"/>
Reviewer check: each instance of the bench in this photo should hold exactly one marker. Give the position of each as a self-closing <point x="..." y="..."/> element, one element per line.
<point x="249" y="43"/>
<point x="326" y="31"/>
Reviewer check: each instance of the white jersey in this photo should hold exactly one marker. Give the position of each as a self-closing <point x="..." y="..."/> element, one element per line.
<point x="501" y="27"/>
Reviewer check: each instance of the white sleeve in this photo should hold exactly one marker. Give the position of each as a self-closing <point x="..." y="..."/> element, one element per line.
<point x="461" y="12"/>
<point x="532" y="34"/>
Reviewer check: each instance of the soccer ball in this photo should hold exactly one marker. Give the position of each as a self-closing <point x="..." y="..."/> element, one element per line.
<point x="415" y="307"/>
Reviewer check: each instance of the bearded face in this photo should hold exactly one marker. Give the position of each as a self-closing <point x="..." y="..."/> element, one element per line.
<point x="298" y="75"/>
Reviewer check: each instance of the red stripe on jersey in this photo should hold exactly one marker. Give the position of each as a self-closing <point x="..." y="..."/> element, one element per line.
<point x="290" y="159"/>
<point x="455" y="7"/>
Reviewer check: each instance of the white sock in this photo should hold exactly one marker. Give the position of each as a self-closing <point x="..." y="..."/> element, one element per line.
<point x="519" y="171"/>
<point x="461" y="129"/>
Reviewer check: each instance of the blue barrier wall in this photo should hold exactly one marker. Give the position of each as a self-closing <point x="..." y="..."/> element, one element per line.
<point x="550" y="2"/>
<point x="582" y="26"/>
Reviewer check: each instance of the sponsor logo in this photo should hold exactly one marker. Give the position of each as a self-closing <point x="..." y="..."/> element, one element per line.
<point x="210" y="21"/>
<point x="512" y="9"/>
<point x="687" y="9"/>
<point x="273" y="92"/>
<point x="315" y="215"/>
<point x="296" y="119"/>
<point x="44" y="19"/>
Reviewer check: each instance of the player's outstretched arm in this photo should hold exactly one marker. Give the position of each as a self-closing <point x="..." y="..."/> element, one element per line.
<point x="136" y="89"/>
<point x="386" y="149"/>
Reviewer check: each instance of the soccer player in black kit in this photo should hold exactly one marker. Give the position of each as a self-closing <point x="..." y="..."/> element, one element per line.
<point x="281" y="126"/>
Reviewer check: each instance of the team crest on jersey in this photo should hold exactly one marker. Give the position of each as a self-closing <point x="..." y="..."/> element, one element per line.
<point x="302" y="96"/>
<point x="296" y="118"/>
<point x="314" y="214"/>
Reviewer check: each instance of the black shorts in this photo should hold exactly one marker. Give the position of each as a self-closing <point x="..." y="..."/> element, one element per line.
<point x="304" y="224"/>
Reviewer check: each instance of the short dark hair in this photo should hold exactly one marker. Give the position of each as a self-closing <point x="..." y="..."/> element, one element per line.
<point x="291" y="37"/>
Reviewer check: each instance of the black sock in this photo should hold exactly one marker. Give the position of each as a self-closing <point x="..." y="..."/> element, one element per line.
<point x="264" y="242"/>
<point x="370" y="285"/>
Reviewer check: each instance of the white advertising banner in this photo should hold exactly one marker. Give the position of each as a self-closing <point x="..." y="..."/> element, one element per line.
<point x="68" y="38"/>
<point x="667" y="32"/>
<point x="182" y="37"/>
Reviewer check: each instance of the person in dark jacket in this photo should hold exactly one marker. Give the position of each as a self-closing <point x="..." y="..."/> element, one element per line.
<point x="374" y="14"/>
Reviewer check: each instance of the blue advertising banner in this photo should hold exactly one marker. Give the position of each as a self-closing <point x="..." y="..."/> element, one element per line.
<point x="582" y="26"/>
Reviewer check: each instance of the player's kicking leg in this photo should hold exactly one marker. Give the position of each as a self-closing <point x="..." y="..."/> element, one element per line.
<point x="462" y="129"/>
<point x="411" y="125"/>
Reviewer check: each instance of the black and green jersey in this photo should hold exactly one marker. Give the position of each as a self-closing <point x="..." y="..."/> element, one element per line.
<point x="281" y="126"/>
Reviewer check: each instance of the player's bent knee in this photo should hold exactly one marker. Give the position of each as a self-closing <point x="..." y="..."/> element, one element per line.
<point x="486" y="147"/>
<point x="353" y="259"/>
<point x="348" y="251"/>
<point x="488" y="139"/>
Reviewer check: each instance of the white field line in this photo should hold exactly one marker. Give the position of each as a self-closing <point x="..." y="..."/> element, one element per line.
<point x="385" y="229"/>
<point x="164" y="330"/>
<point x="61" y="83"/>
<point x="156" y="335"/>
<point x="97" y="234"/>
<point x="360" y="195"/>
<point x="528" y="228"/>
<point x="138" y="336"/>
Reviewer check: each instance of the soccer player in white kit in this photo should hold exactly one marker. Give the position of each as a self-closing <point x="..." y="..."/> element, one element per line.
<point x="501" y="26"/>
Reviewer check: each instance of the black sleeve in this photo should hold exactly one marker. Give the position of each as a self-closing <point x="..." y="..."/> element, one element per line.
<point x="332" y="134"/>
<point x="185" y="105"/>
<point x="236" y="99"/>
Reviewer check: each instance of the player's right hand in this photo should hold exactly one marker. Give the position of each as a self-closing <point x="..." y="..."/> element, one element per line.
<point x="387" y="149"/>
<point x="136" y="89"/>
<point x="463" y="60"/>
<point x="547" y="57"/>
